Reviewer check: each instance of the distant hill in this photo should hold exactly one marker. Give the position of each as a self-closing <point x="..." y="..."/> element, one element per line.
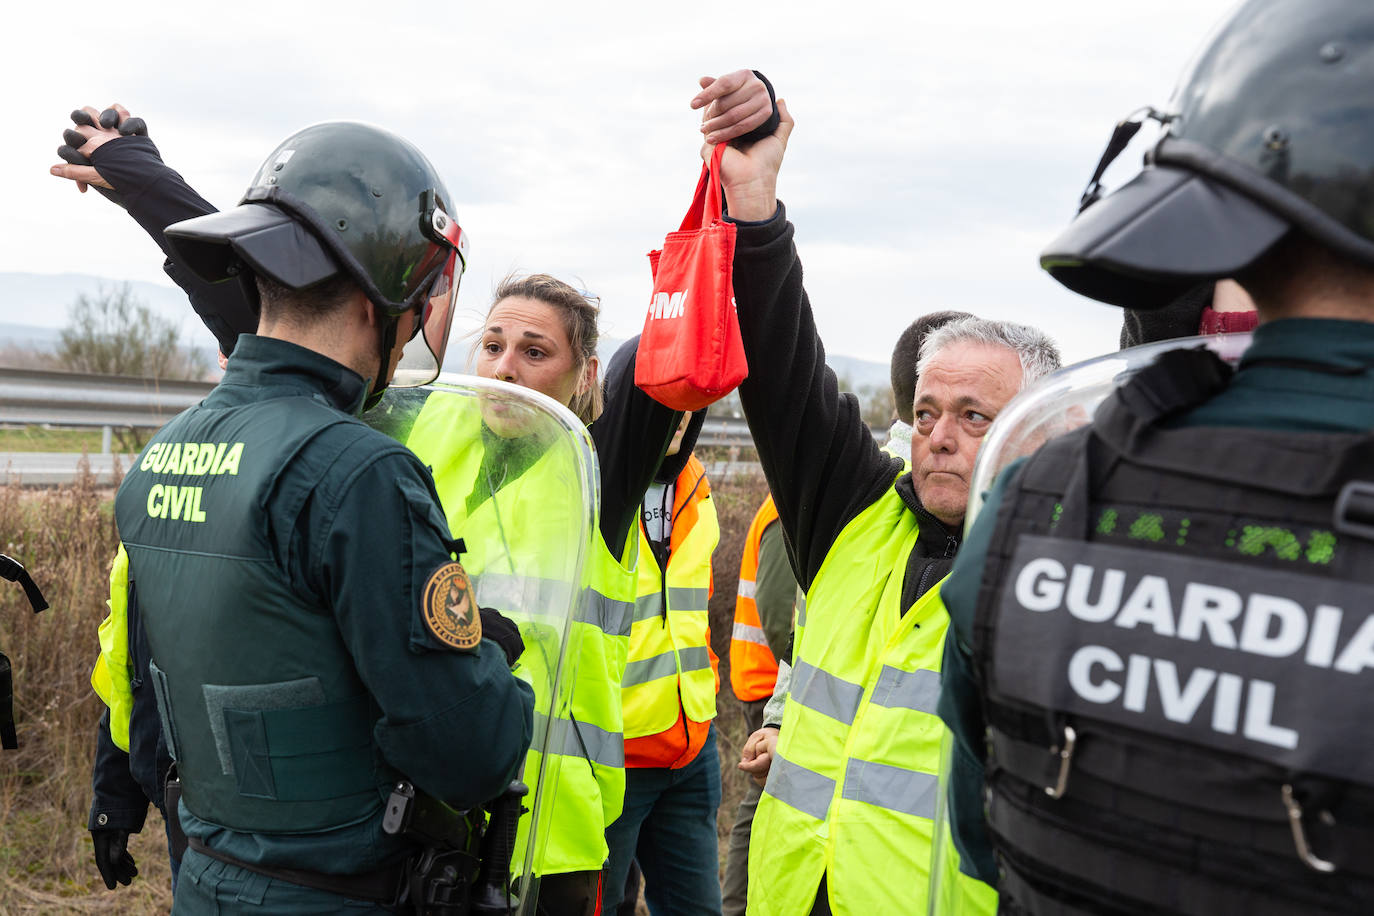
<point x="27" y="336"/>
<point x="33" y="308"/>
<point x="42" y="300"/>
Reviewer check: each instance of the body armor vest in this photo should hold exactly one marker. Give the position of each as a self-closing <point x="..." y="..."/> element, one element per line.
<point x="1175" y="638"/>
<point x="279" y="738"/>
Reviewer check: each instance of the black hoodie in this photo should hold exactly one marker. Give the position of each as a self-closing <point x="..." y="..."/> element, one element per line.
<point x="818" y="455"/>
<point x="661" y="497"/>
<point x="631" y="436"/>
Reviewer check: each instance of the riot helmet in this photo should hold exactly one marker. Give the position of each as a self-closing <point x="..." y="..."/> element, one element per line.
<point x="1270" y="130"/>
<point x="351" y="198"/>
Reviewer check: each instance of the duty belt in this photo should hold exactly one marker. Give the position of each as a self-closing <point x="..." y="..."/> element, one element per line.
<point x="381" y="886"/>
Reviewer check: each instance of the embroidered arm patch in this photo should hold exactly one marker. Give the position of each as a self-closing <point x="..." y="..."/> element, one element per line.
<point x="448" y="608"/>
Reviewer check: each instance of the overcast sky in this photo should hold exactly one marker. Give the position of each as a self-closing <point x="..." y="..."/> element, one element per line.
<point x="938" y="146"/>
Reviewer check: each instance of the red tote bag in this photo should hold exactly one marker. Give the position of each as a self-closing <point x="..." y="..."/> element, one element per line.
<point x="690" y="352"/>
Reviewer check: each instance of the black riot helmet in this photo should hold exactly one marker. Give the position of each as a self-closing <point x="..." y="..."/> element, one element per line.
<point x="1270" y="130"/>
<point x="352" y="198"/>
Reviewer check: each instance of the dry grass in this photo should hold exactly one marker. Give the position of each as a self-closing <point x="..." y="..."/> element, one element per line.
<point x="66" y="537"/>
<point x="737" y="499"/>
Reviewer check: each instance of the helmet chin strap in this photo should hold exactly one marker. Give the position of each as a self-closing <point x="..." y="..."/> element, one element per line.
<point x="387" y="338"/>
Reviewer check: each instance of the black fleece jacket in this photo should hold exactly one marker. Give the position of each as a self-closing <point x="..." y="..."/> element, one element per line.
<point x="818" y="455"/>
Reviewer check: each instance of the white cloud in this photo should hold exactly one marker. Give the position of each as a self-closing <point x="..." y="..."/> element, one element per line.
<point x="938" y="145"/>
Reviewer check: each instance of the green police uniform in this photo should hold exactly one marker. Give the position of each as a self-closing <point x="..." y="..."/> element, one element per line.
<point x="1301" y="376"/>
<point x="295" y="573"/>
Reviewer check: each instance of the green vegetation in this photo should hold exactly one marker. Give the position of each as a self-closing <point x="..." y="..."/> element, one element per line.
<point x="114" y="333"/>
<point x="66" y="538"/>
<point x="44" y="439"/>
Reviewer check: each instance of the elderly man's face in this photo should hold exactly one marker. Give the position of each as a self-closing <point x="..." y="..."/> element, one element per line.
<point x="961" y="390"/>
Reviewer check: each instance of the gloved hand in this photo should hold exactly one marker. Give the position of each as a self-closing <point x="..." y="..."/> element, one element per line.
<point x="112" y="857"/>
<point x="502" y="631"/>
<point x="92" y="131"/>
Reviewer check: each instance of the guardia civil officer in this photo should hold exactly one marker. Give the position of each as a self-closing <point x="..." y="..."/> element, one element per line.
<point x="312" y="631"/>
<point x="626" y="434"/>
<point x="1161" y="671"/>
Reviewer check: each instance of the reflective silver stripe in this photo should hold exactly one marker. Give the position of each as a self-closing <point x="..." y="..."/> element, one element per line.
<point x="918" y="690"/>
<point x="694" y="658"/>
<point x="806" y="790"/>
<point x="824" y="692"/>
<point x="612" y="617"/>
<point x="605" y="748"/>
<point x="801" y="610"/>
<point x="679" y="599"/>
<point x="527" y="595"/>
<point x="648" y="606"/>
<point x="687" y="599"/>
<point x="746" y="588"/>
<point x="907" y="791"/>
<point x="745" y="633"/>
<point x="643" y="670"/>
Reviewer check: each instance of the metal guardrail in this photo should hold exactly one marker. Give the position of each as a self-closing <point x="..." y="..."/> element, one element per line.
<point x="77" y="399"/>
<point x="725" y="432"/>
<point x="58" y="469"/>
<point x="29" y="396"/>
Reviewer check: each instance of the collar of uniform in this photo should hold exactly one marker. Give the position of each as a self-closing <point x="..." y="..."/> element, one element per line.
<point x="1329" y="341"/>
<point x="267" y="361"/>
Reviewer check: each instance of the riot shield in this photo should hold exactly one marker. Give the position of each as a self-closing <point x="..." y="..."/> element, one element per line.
<point x="516" y="474"/>
<point x="1056" y="404"/>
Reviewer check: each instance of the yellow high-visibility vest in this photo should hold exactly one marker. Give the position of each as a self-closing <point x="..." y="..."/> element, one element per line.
<point x="504" y="551"/>
<point x="112" y="673"/>
<point x="852" y="790"/>
<point x="670" y="672"/>
<point x="959" y="894"/>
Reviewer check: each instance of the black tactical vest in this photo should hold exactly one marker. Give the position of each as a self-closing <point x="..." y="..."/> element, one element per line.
<point x="1174" y="632"/>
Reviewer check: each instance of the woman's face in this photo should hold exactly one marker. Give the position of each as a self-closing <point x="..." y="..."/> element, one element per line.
<point x="524" y="343"/>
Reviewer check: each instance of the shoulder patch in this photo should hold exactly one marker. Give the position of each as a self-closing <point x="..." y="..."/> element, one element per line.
<point x="449" y="609"/>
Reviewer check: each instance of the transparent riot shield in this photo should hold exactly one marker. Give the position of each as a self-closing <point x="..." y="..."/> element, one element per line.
<point x="1056" y="404"/>
<point x="517" y="477"/>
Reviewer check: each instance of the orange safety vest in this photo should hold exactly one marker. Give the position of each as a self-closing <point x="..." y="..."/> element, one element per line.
<point x="753" y="669"/>
<point x="671" y="677"/>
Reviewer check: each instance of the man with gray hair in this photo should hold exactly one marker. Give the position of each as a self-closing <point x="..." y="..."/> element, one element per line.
<point x="969" y="369"/>
<point x="847" y="814"/>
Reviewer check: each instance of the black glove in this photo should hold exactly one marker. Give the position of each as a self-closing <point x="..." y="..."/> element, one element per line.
<point x="112" y="857"/>
<point x="502" y="631"/>
<point x="72" y="141"/>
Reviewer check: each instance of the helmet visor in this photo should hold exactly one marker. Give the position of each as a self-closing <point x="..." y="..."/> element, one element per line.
<point x="423" y="356"/>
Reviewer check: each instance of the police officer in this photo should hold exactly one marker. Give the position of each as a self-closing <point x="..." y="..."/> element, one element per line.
<point x="1161" y="676"/>
<point x="313" y="633"/>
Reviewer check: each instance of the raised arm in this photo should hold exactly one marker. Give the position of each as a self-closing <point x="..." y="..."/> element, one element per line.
<point x="633" y="431"/>
<point x="102" y="150"/>
<point x="818" y="455"/>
